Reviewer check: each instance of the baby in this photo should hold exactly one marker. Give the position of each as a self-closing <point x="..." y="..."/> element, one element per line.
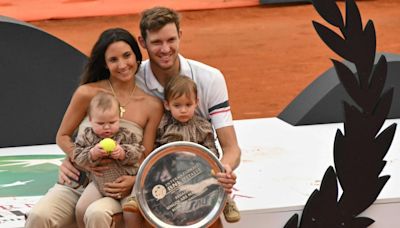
<point x="104" y="118"/>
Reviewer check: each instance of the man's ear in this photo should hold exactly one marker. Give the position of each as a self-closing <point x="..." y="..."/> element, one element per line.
<point x="166" y="106"/>
<point x="142" y="42"/>
<point x="180" y="34"/>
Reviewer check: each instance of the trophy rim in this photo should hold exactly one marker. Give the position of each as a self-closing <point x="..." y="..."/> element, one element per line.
<point x="167" y="149"/>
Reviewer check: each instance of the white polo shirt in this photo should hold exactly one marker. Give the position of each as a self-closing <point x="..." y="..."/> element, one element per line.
<point x="211" y="89"/>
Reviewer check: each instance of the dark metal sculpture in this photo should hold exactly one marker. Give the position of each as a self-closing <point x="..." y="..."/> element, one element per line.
<point x="39" y="73"/>
<point x="322" y="101"/>
<point x="359" y="150"/>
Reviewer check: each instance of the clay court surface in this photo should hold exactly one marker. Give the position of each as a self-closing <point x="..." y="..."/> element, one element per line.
<point x="268" y="54"/>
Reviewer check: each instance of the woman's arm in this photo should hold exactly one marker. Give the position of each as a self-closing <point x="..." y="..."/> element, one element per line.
<point x="155" y="113"/>
<point x="73" y="116"/>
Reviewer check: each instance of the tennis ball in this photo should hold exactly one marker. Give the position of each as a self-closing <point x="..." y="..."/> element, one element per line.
<point x="108" y="145"/>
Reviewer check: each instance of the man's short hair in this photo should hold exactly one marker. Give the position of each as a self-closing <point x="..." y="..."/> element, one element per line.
<point x="155" y="18"/>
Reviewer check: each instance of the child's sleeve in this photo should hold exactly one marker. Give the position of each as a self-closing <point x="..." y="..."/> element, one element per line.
<point x="161" y="131"/>
<point x="83" y="144"/>
<point x="133" y="148"/>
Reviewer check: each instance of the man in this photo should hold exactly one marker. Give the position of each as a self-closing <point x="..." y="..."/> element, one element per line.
<point x="160" y="36"/>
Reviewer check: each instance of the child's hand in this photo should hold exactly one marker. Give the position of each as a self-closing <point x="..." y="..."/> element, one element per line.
<point x="97" y="152"/>
<point x="118" y="153"/>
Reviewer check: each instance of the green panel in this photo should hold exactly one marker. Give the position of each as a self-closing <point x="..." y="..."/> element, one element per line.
<point x="28" y="175"/>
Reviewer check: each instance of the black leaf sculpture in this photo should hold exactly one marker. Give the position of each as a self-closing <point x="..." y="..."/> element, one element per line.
<point x="359" y="150"/>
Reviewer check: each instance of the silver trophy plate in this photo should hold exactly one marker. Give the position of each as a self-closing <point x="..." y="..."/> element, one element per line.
<point x="176" y="186"/>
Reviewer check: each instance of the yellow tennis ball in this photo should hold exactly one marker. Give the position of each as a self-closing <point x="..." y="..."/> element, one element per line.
<point x="108" y="145"/>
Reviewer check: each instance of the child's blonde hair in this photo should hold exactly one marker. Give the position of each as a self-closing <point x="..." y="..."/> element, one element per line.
<point x="103" y="101"/>
<point x="178" y="86"/>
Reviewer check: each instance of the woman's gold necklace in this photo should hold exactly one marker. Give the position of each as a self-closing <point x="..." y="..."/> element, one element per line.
<point x="122" y="109"/>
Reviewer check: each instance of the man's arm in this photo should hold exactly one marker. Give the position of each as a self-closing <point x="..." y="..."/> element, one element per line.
<point x="230" y="147"/>
<point x="230" y="157"/>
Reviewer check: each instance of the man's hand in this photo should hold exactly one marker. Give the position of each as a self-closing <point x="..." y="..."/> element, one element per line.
<point x="227" y="179"/>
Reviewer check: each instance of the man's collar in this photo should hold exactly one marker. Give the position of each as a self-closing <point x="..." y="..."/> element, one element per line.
<point x="151" y="80"/>
<point x="186" y="69"/>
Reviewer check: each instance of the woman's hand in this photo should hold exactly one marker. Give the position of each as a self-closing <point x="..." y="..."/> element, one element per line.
<point x="121" y="187"/>
<point x="227" y="179"/>
<point x="67" y="171"/>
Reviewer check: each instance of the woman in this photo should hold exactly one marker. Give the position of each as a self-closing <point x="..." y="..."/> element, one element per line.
<point x="114" y="60"/>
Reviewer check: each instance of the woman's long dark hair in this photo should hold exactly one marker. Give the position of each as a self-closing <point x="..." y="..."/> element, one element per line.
<point x="95" y="69"/>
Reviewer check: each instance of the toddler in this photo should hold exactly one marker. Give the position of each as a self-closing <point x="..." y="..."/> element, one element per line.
<point x="180" y="123"/>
